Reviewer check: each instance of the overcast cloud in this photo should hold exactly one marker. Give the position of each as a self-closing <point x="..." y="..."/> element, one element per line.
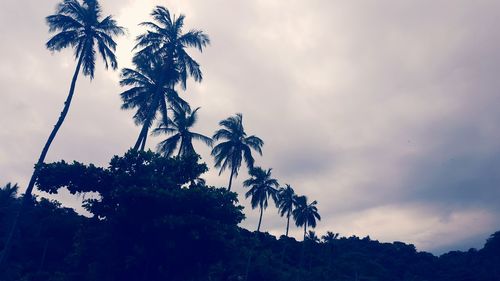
<point x="386" y="112"/>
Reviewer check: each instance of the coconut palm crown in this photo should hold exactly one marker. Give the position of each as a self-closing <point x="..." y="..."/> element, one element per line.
<point x="287" y="201"/>
<point x="165" y="39"/>
<point x="179" y="128"/>
<point x="306" y="214"/>
<point x="236" y="146"/>
<point x="80" y="25"/>
<point x="262" y="187"/>
<point x="149" y="95"/>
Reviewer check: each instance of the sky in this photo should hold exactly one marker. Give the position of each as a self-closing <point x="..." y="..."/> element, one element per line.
<point x="385" y="112"/>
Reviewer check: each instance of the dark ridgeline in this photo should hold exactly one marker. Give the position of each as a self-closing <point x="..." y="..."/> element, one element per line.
<point x="146" y="226"/>
<point x="161" y="63"/>
<point x="81" y="26"/>
<point x="235" y="148"/>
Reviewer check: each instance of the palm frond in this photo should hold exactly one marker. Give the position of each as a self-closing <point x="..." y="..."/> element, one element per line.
<point x="195" y="38"/>
<point x="62" y="40"/>
<point x="62" y="22"/>
<point x="255" y="142"/>
<point x="88" y="61"/>
<point x="168" y="146"/>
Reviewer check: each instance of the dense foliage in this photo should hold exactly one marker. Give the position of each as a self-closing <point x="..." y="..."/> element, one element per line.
<point x="154" y="219"/>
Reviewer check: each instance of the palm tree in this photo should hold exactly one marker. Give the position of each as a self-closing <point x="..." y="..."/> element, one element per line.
<point x="287" y="200"/>
<point x="180" y="125"/>
<point x="329" y="237"/>
<point x="149" y="94"/>
<point x="79" y="25"/>
<point x="311" y="236"/>
<point x="8" y="192"/>
<point x="164" y="45"/>
<point x="231" y="153"/>
<point x="262" y="187"/>
<point x="305" y="214"/>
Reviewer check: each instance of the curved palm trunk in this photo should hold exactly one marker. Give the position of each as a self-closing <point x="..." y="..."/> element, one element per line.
<point x="230" y="180"/>
<point x="141" y="140"/>
<point x="140" y="144"/>
<point x="287" y="223"/>
<point x="41" y="159"/>
<point x="305" y="230"/>
<point x="260" y="219"/>
<point x="52" y="135"/>
<point x="181" y="147"/>
<point x="143" y="135"/>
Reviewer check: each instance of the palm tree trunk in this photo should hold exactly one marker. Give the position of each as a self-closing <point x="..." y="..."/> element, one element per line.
<point x="287" y="223"/>
<point x="144" y="138"/>
<point x="180" y="148"/>
<point x="52" y="135"/>
<point x="41" y="159"/>
<point x="143" y="135"/>
<point x="230" y="179"/>
<point x="141" y="140"/>
<point x="260" y="218"/>
<point x="305" y="229"/>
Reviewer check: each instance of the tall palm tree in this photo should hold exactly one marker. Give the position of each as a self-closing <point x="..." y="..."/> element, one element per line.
<point x="180" y="130"/>
<point x="287" y="201"/>
<point x="165" y="44"/>
<point x="262" y="187"/>
<point x="79" y="24"/>
<point x="305" y="214"/>
<point x="236" y="148"/>
<point x="149" y="94"/>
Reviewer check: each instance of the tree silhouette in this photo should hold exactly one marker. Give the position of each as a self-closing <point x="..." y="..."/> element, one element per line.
<point x="180" y="131"/>
<point x="149" y="94"/>
<point x="262" y="187"/>
<point x="78" y="25"/>
<point x="287" y="200"/>
<point x="312" y="236"/>
<point x="305" y="214"/>
<point x="236" y="148"/>
<point x="329" y="237"/>
<point x="8" y="192"/>
<point x="165" y="44"/>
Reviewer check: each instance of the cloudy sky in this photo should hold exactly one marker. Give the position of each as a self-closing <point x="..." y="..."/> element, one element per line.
<point x="386" y="112"/>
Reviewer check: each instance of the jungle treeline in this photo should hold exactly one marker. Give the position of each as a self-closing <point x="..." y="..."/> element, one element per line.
<point x="155" y="220"/>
